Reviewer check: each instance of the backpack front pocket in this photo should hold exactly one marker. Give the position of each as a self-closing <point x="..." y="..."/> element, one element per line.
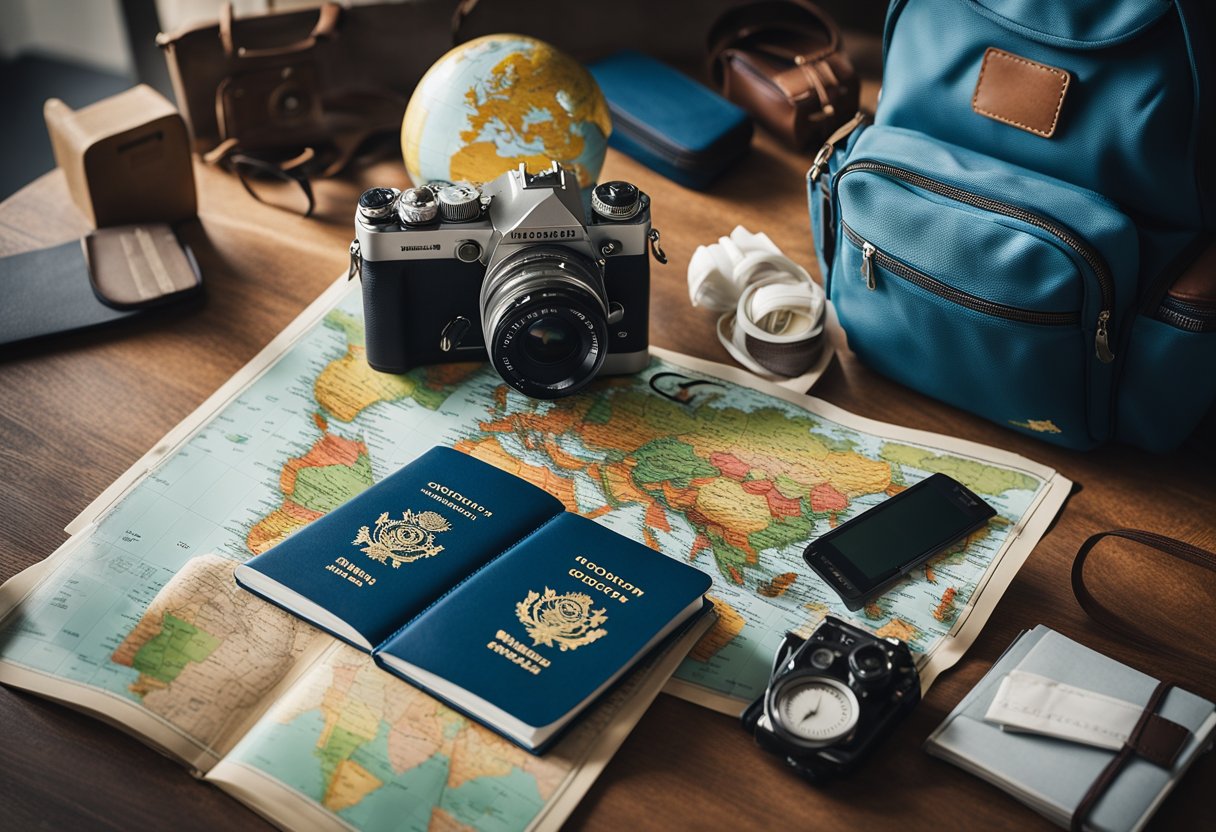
<point x="946" y="282"/>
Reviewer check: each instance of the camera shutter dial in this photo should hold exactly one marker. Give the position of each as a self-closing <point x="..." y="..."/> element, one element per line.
<point x="459" y="202"/>
<point x="616" y="200"/>
<point x="376" y="205"/>
<point x="814" y="710"/>
<point x="417" y="206"/>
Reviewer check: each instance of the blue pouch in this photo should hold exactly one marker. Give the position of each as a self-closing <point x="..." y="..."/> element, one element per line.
<point x="669" y="122"/>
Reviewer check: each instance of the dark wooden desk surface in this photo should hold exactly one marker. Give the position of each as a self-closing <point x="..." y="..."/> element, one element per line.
<point x="76" y="413"/>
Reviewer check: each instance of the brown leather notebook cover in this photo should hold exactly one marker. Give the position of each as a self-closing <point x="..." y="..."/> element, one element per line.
<point x="110" y="275"/>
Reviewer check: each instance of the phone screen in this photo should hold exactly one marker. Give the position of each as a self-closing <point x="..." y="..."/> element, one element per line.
<point x="899" y="530"/>
<point x="868" y="552"/>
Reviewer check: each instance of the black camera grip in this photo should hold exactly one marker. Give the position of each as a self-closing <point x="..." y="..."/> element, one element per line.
<point x="384" y="296"/>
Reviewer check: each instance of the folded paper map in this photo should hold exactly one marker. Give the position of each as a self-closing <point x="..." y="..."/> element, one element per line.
<point x="702" y="462"/>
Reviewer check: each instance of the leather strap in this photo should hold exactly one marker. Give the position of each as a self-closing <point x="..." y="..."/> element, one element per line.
<point x="327" y="23"/>
<point x="1131" y="748"/>
<point x="777" y="16"/>
<point x="829" y="147"/>
<point x="782" y="61"/>
<point x="1102" y="614"/>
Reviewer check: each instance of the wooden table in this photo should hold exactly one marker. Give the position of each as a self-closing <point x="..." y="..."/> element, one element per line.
<point x="75" y="413"/>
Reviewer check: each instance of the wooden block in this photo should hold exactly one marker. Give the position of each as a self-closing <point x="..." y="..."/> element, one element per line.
<point x="126" y="158"/>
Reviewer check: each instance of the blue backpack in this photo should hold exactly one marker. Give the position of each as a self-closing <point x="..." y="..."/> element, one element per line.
<point x="1025" y="231"/>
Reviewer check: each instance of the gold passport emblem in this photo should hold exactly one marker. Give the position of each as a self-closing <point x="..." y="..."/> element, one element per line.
<point x="402" y="541"/>
<point x="566" y="620"/>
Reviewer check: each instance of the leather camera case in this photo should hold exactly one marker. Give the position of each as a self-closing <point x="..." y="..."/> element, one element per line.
<point x="331" y="76"/>
<point x="782" y="61"/>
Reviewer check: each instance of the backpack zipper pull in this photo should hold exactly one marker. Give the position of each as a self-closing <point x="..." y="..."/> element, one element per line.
<point x="1102" y="338"/>
<point x="867" y="264"/>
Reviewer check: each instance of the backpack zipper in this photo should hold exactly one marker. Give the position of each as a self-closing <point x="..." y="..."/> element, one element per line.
<point x="871" y="255"/>
<point x="1064" y="234"/>
<point x="1188" y="316"/>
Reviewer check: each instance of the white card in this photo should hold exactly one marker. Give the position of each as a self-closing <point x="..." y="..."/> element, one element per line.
<point x="1035" y="704"/>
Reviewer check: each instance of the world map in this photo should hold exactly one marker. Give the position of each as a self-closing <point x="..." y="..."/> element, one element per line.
<point x="729" y="478"/>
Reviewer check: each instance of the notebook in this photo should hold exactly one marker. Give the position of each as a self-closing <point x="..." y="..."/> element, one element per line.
<point x="1052" y="774"/>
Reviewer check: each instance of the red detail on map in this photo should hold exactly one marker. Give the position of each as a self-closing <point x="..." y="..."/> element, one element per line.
<point x="757" y="486"/>
<point x="330" y="449"/>
<point x="730" y="465"/>
<point x="945" y="610"/>
<point x="650" y="540"/>
<point x="656" y="518"/>
<point x="826" y="498"/>
<point x="782" y="506"/>
<point x="699" y="545"/>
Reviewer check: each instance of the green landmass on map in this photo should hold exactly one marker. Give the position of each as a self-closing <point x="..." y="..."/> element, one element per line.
<point x="672" y="461"/>
<point x="746" y="480"/>
<point x="348" y="385"/>
<point x="324" y="488"/>
<point x="179" y="642"/>
<point x="982" y="478"/>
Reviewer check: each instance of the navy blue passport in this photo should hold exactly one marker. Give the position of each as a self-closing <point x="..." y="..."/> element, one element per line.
<point x="478" y="587"/>
<point x="376" y="561"/>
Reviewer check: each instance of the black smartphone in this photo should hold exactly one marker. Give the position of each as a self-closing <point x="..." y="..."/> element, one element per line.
<point x="863" y="556"/>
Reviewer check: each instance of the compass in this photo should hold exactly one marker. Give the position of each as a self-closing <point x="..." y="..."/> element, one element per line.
<point x="812" y="710"/>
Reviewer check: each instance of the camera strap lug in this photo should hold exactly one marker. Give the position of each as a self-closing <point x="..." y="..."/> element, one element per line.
<point x="356" y="261"/>
<point x="454" y="333"/>
<point x="655" y="248"/>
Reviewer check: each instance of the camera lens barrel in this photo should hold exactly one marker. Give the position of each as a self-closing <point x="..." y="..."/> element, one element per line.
<point x="870" y="665"/>
<point x="545" y="320"/>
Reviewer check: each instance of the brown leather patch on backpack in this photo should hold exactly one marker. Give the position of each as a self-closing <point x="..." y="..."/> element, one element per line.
<point x="1020" y="92"/>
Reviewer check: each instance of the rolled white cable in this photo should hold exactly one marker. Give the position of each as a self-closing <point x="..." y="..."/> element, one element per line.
<point x="773" y="311"/>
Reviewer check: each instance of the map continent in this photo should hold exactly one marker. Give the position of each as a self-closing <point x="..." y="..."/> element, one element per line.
<point x="208" y="653"/>
<point x="383" y="755"/>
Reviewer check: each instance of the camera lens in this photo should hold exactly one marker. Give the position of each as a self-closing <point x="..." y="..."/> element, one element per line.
<point x="550" y="340"/>
<point x="822" y="658"/>
<point x="545" y="319"/>
<point x="870" y="664"/>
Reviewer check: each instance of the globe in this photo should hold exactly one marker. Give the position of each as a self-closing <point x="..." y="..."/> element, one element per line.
<point x="497" y="101"/>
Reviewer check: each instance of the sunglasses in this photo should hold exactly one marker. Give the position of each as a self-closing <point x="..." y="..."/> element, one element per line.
<point x="279" y="183"/>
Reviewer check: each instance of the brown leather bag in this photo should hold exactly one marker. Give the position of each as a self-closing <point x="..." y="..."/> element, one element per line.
<point x="324" y="79"/>
<point x="782" y="61"/>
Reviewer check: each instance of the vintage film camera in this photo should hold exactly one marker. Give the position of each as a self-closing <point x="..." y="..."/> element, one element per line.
<point x="832" y="698"/>
<point x="553" y="290"/>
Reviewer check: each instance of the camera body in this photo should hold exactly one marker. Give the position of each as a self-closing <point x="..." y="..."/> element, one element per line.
<point x="551" y="287"/>
<point x="832" y="698"/>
